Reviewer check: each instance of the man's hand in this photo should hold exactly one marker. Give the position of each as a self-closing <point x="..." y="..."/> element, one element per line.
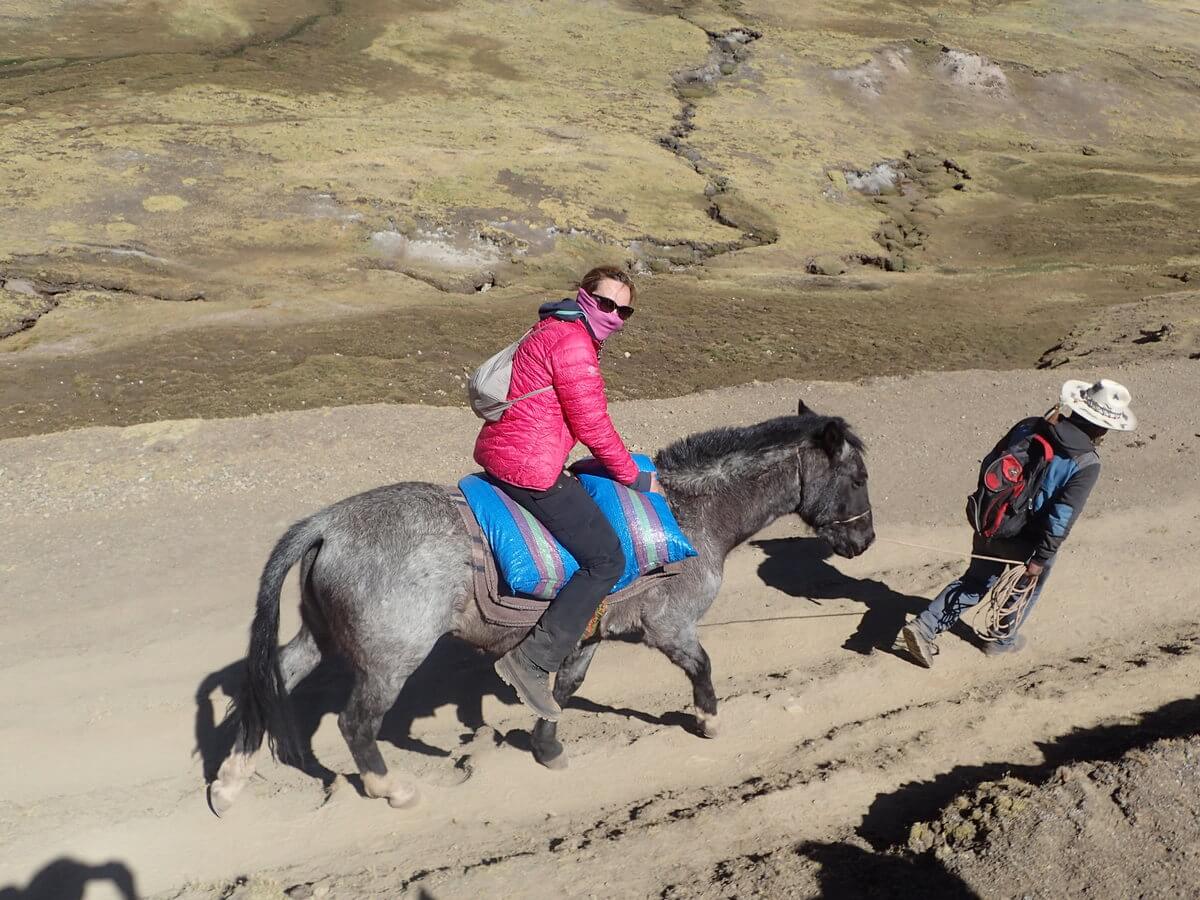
<point x="1034" y="568"/>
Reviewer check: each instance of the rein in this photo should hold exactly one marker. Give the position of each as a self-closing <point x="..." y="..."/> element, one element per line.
<point x="861" y="515"/>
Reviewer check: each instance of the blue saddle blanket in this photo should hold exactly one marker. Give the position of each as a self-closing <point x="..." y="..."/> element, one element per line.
<point x="532" y="563"/>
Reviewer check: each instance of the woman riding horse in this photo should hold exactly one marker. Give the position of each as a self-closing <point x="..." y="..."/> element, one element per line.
<point x="526" y="449"/>
<point x="385" y="573"/>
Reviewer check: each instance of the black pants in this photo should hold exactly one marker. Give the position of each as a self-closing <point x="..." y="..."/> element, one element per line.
<point x="572" y="516"/>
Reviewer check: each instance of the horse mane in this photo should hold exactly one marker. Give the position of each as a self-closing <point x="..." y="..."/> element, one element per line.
<point x="705" y="461"/>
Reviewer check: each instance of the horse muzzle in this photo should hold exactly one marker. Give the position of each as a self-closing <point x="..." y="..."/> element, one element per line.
<point x="849" y="537"/>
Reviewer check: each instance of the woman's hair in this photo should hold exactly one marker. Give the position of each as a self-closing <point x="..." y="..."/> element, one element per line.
<point x="589" y="281"/>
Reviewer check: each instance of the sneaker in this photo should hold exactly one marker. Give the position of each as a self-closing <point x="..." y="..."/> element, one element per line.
<point x="530" y="681"/>
<point x="919" y="647"/>
<point x="995" y="648"/>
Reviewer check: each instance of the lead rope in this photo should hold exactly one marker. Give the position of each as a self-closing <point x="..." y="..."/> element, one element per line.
<point x="1003" y="606"/>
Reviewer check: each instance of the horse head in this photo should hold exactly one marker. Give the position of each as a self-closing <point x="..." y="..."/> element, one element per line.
<point x="834" y="501"/>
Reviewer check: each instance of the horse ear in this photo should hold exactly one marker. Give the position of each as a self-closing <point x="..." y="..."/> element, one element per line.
<point x="833" y="439"/>
<point x="803" y="409"/>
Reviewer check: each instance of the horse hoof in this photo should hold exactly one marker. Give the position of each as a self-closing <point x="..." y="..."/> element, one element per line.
<point x="709" y="726"/>
<point x="551" y="757"/>
<point x="381" y="787"/>
<point x="220" y="798"/>
<point x="405" y="799"/>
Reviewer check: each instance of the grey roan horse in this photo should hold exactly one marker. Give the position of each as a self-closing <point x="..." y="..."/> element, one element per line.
<point x="386" y="573"/>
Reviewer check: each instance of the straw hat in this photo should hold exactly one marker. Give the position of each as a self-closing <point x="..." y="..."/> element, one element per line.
<point x="1105" y="403"/>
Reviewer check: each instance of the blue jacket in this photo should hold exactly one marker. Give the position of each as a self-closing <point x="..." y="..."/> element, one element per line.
<point x="1065" y="488"/>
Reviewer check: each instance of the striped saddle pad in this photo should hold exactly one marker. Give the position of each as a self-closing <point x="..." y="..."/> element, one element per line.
<point x="530" y="563"/>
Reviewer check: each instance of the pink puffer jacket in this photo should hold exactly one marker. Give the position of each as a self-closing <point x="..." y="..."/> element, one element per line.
<point x="530" y="444"/>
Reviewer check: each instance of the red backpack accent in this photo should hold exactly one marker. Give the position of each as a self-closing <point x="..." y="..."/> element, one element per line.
<point x="1009" y="479"/>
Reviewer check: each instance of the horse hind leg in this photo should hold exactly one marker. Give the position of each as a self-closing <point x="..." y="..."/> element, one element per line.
<point x="373" y="695"/>
<point x="297" y="660"/>
<point x="547" y="749"/>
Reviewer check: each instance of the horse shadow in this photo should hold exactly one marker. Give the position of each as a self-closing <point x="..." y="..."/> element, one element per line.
<point x="453" y="673"/>
<point x="68" y="879"/>
<point x="798" y="567"/>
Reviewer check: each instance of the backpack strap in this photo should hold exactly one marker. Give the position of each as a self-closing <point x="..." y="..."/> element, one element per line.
<point x="534" y="393"/>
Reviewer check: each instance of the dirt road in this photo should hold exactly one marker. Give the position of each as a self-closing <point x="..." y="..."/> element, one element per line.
<point x="129" y="565"/>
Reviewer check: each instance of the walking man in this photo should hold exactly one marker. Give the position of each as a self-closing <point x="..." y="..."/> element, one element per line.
<point x="1033" y="486"/>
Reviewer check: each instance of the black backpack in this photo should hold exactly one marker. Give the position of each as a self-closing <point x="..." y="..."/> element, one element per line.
<point x="1009" y="478"/>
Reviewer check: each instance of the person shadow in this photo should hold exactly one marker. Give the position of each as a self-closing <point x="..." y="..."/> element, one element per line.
<point x="799" y="567"/>
<point x="454" y="673"/>
<point x="68" y="879"/>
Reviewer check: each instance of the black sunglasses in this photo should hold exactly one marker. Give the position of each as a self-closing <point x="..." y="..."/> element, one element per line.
<point x="604" y="304"/>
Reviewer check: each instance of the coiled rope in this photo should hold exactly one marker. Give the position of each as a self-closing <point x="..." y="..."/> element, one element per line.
<point x="1003" y="606"/>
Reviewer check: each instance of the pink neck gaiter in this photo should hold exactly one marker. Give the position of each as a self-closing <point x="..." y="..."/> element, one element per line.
<point x="603" y="324"/>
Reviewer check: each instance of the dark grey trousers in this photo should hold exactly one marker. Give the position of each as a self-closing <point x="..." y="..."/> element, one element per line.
<point x="572" y="516"/>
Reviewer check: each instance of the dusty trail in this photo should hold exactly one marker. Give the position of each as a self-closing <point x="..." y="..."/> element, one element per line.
<point x="128" y="584"/>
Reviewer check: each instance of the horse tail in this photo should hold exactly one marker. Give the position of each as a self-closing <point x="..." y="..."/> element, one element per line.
<point x="263" y="705"/>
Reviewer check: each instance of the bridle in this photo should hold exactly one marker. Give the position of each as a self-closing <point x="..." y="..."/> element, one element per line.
<point x="851" y="520"/>
<point x="861" y="515"/>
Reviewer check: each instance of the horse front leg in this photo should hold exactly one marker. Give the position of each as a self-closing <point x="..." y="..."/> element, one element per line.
<point x="546" y="747"/>
<point x="683" y="648"/>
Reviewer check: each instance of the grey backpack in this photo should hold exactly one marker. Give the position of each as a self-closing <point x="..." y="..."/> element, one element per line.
<point x="487" y="388"/>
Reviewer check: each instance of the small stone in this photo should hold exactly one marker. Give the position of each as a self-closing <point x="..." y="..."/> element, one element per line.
<point x="1089" y="150"/>
<point x="890" y="230"/>
<point x="963" y="834"/>
<point x="827" y="264"/>
<point x="21" y="286"/>
<point x="919" y="838"/>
